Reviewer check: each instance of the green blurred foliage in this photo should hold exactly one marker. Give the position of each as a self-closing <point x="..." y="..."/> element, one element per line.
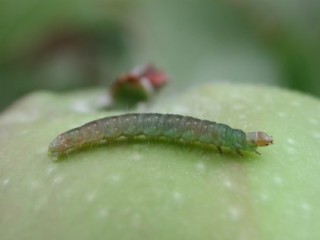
<point x="70" y="44"/>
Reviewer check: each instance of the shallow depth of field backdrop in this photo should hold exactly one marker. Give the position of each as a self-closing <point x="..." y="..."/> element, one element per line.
<point x="138" y="190"/>
<point x="72" y="44"/>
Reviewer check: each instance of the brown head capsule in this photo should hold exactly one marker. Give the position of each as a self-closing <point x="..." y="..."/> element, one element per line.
<point x="258" y="139"/>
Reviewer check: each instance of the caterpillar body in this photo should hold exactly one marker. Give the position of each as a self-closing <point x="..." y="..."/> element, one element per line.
<point x="155" y="126"/>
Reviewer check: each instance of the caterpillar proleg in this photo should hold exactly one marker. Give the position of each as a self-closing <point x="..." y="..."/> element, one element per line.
<point x="155" y="125"/>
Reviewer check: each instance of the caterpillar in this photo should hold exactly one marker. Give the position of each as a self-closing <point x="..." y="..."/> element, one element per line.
<point x="155" y="126"/>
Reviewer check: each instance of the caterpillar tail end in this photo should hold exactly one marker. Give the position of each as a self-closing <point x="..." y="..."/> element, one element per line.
<point x="53" y="155"/>
<point x="53" y="150"/>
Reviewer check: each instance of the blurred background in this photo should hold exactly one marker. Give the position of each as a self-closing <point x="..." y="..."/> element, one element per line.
<point x="70" y="44"/>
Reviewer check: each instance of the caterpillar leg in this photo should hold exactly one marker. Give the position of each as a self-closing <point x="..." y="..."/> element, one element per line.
<point x="257" y="152"/>
<point x="239" y="152"/>
<point x="219" y="149"/>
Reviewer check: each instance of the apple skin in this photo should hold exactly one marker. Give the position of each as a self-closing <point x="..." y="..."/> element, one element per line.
<point x="163" y="190"/>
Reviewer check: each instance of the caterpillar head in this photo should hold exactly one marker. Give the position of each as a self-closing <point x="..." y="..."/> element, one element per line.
<point x="258" y="139"/>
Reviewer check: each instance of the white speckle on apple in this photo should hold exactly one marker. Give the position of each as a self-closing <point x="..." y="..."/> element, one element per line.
<point x="5" y="182"/>
<point x="313" y="121"/>
<point x="316" y="135"/>
<point x="235" y="213"/>
<point x="291" y="141"/>
<point x="227" y="183"/>
<point x="177" y="197"/>
<point x="306" y="207"/>
<point x="115" y="178"/>
<point x="57" y="179"/>
<point x="278" y="180"/>
<point x="80" y="106"/>
<point x="296" y="103"/>
<point x="50" y="170"/>
<point x="264" y="197"/>
<point x="291" y="150"/>
<point x="91" y="197"/>
<point x="136" y="156"/>
<point x="103" y="213"/>
<point x="34" y="184"/>
<point x="200" y="166"/>
<point x="281" y="114"/>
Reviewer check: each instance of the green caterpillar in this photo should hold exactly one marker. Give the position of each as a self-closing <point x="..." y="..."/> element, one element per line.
<point x="155" y="125"/>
